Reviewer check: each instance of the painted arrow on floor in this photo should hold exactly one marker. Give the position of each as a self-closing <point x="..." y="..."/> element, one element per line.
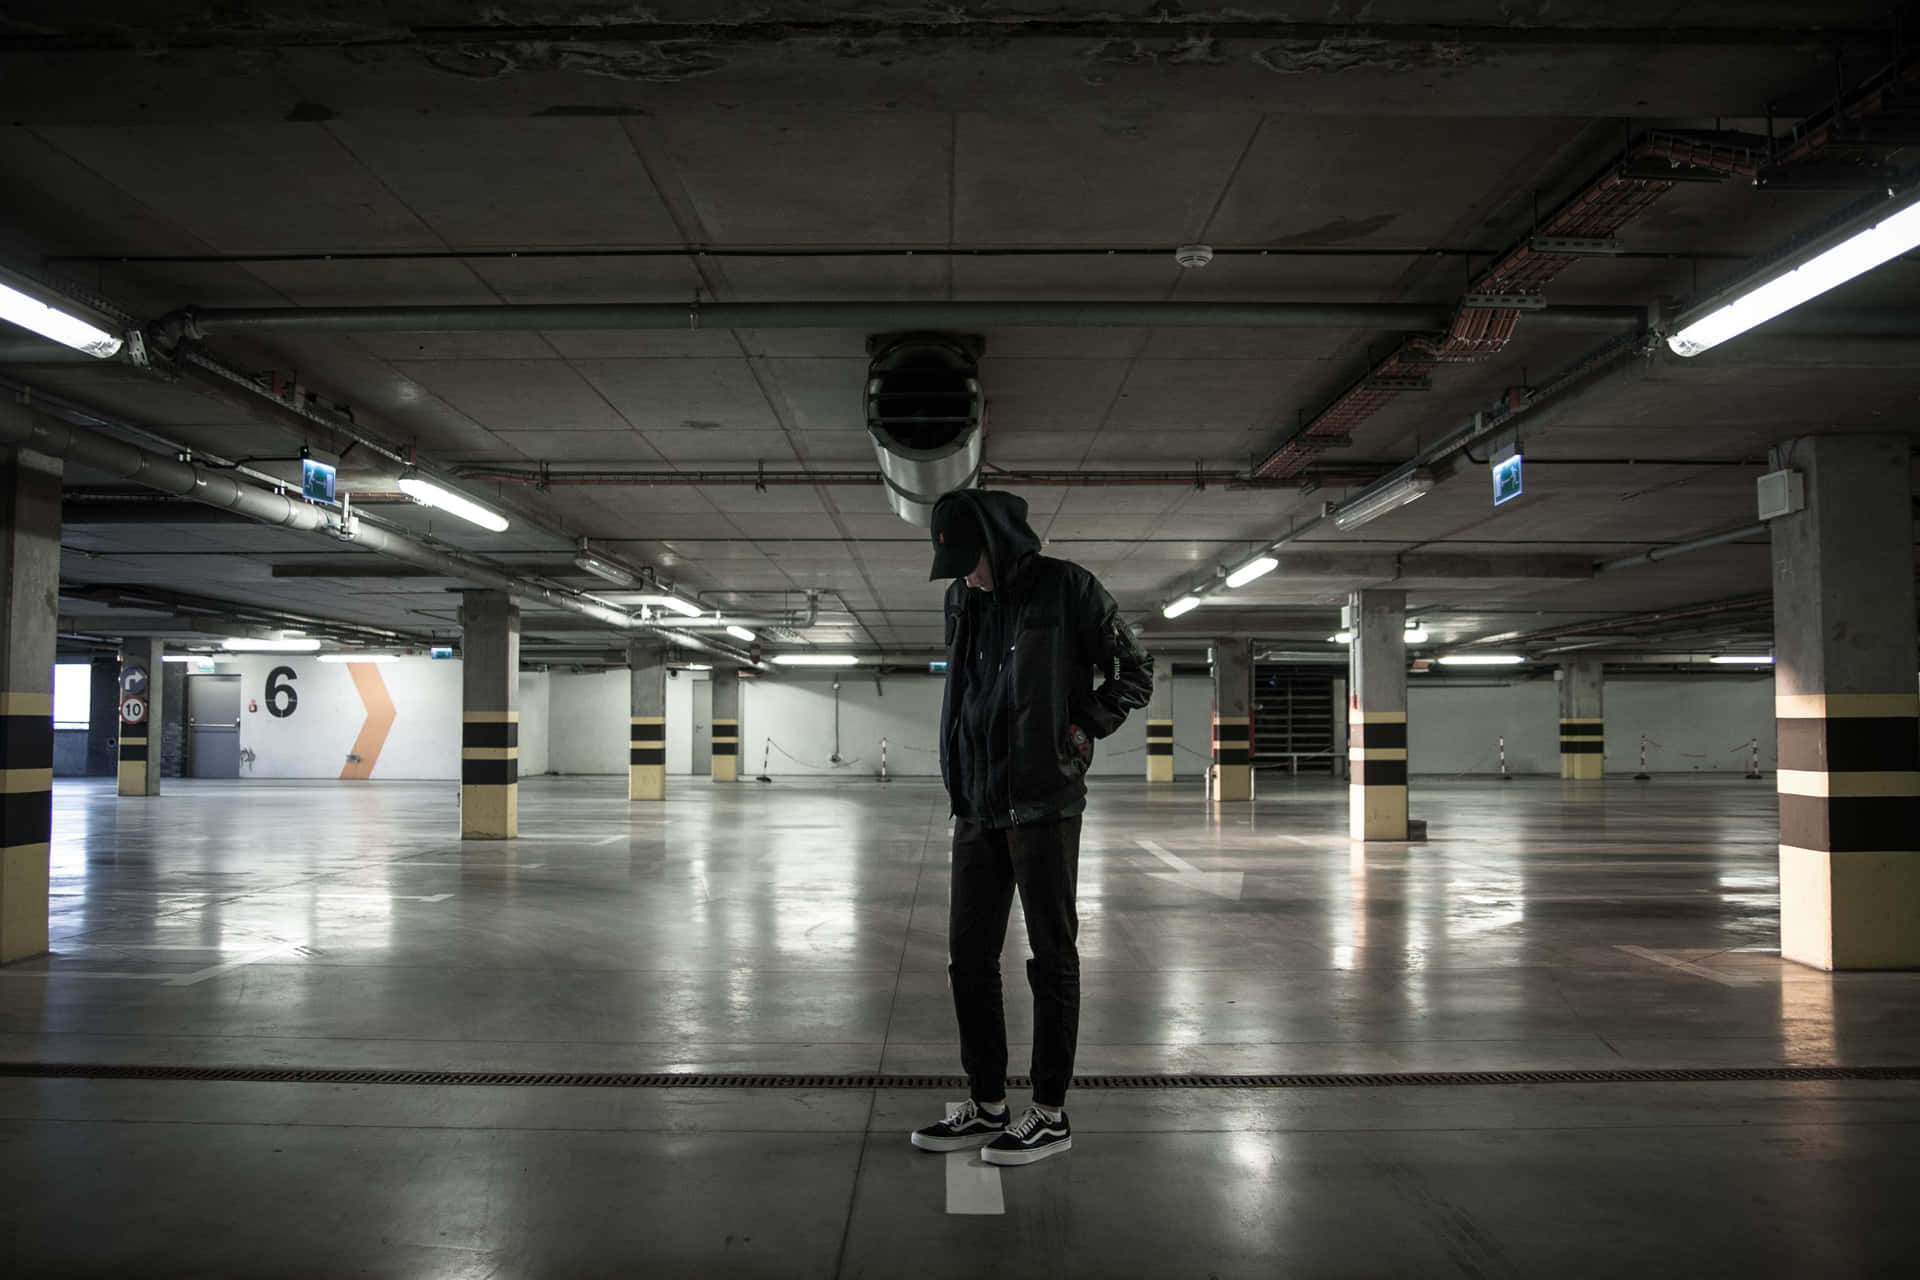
<point x="1221" y="884"/>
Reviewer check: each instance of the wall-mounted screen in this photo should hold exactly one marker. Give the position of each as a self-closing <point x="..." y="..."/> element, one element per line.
<point x="316" y="480"/>
<point x="1506" y="479"/>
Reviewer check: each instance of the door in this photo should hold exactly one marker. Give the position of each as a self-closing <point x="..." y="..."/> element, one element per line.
<point x="702" y="728"/>
<point x="213" y="726"/>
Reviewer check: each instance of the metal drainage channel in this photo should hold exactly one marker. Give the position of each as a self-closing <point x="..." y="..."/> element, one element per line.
<point x="743" y="1080"/>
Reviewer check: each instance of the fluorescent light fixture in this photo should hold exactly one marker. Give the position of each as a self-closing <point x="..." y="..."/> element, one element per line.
<point x="1892" y="235"/>
<point x="741" y="633"/>
<point x="685" y="608"/>
<point x="698" y="666"/>
<point x="359" y="657"/>
<point x="1185" y="604"/>
<point x="1371" y="506"/>
<point x="1258" y="567"/>
<point x="1742" y="659"/>
<point x="57" y="323"/>
<point x="1416" y="635"/>
<point x="185" y="657"/>
<point x="1482" y="660"/>
<point x="241" y="644"/>
<point x="600" y="568"/>
<point x="1341" y="637"/>
<point x="426" y="492"/>
<point x="815" y="660"/>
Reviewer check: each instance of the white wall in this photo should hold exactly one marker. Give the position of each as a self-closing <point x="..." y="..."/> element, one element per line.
<point x="535" y="692"/>
<point x="1456" y="730"/>
<point x="680" y="721"/>
<point x="589" y="714"/>
<point x="313" y="741"/>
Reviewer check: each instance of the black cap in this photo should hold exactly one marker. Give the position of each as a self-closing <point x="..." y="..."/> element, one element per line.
<point x="957" y="540"/>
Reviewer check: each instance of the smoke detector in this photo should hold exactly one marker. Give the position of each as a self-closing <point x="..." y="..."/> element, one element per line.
<point x="1193" y="255"/>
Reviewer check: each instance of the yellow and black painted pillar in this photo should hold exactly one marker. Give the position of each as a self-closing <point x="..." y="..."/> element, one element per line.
<point x="1845" y="707"/>
<point x="141" y="689"/>
<point x="726" y="724"/>
<point x="1232" y="720"/>
<point x="490" y="719"/>
<point x="1160" y="725"/>
<point x="29" y="588"/>
<point x="647" y="746"/>
<point x="1583" y="727"/>
<point x="1377" y="716"/>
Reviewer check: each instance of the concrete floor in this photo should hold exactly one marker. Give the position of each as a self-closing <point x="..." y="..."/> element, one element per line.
<point x="799" y="927"/>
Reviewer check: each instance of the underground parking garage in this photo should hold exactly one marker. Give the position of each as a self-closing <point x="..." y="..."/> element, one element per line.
<point x="566" y="574"/>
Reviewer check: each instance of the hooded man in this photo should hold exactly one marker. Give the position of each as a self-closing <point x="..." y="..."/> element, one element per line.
<point x="1026" y="635"/>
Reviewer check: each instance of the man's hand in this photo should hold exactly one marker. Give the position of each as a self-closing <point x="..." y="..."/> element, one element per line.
<point x="1081" y="743"/>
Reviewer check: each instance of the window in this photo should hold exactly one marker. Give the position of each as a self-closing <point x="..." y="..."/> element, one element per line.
<point x="72" y="695"/>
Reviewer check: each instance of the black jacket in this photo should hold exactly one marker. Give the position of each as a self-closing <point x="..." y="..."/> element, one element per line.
<point x="1021" y="661"/>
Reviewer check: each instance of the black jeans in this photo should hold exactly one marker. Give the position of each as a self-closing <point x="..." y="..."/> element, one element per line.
<point x="1043" y="861"/>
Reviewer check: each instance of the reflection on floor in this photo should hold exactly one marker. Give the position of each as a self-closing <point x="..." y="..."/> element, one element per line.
<point x="799" y="927"/>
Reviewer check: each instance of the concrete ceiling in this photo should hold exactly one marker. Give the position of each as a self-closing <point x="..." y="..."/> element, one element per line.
<point x="405" y="155"/>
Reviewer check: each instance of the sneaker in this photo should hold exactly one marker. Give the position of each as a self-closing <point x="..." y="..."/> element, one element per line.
<point x="1034" y="1138"/>
<point x="971" y="1125"/>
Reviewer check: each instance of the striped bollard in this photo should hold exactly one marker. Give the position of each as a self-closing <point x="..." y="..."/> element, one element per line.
<point x="766" y="759"/>
<point x="1753" y="758"/>
<point x="1504" y="775"/>
<point x="883" y="761"/>
<point x="1643" y="775"/>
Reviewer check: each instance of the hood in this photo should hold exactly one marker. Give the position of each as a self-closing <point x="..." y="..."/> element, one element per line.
<point x="1011" y="541"/>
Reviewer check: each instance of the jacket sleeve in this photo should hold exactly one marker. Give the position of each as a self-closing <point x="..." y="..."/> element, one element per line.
<point x="1126" y="671"/>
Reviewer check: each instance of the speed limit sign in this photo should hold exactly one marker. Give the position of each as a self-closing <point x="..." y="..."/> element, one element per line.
<point x="133" y="710"/>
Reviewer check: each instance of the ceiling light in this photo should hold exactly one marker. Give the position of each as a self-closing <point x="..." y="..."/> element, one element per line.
<point x="1185" y="604"/>
<point x="359" y="657"/>
<point x="1258" y="567"/>
<point x="57" y="323"/>
<point x="1416" y="635"/>
<point x="815" y="660"/>
<point x="1890" y="236"/>
<point x="741" y="633"/>
<point x="185" y="657"/>
<point x="601" y="568"/>
<point x="425" y="491"/>
<point x="1732" y="659"/>
<point x="241" y="644"/>
<point x="1482" y="660"/>
<point x="685" y="608"/>
<point x="1341" y="637"/>
<point x="1373" y="505"/>
<point x="698" y="666"/>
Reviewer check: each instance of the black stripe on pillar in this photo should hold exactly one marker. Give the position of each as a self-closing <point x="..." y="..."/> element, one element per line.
<point x="1850" y="824"/>
<point x="1582" y="747"/>
<point x="647" y="755"/>
<point x="1568" y="729"/>
<point x="1164" y="748"/>
<point x="132" y="751"/>
<point x="1380" y="773"/>
<point x="26" y="742"/>
<point x="1231" y="755"/>
<point x="649" y="733"/>
<point x="726" y="748"/>
<point x="1391" y="734"/>
<point x="1231" y="732"/>
<point x="489" y="773"/>
<point x="26" y="817"/>
<point x="490" y="733"/>
<point x="1850" y="744"/>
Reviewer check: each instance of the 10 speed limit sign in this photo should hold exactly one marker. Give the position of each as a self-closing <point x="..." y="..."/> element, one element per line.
<point x="133" y="710"/>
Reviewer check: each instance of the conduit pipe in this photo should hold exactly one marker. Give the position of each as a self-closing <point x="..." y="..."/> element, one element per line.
<point x="1681" y="548"/>
<point x="195" y="323"/>
<point x="24" y="428"/>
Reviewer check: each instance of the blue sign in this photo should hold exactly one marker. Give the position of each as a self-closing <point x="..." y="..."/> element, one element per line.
<point x="316" y="480"/>
<point x="1506" y="479"/>
<point x="440" y="652"/>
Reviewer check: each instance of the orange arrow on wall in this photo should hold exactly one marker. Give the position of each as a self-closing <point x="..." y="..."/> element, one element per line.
<point x="373" y="733"/>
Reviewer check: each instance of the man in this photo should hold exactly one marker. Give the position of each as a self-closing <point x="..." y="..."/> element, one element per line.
<point x="1025" y="635"/>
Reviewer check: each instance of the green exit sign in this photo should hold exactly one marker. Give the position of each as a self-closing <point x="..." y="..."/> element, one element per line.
<point x="1506" y="479"/>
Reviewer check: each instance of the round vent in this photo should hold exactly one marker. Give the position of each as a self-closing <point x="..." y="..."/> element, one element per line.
<point x="925" y="413"/>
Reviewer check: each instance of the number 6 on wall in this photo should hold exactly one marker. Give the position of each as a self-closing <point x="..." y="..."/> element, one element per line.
<point x="282" y="698"/>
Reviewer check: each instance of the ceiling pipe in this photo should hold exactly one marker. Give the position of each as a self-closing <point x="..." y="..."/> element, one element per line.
<point x="1681" y="548"/>
<point x="195" y="323"/>
<point x="25" y="428"/>
<point x="549" y="477"/>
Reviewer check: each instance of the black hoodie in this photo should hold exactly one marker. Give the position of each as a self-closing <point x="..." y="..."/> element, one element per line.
<point x="1021" y="661"/>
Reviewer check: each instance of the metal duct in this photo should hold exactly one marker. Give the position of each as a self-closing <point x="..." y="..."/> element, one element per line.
<point x="925" y="413"/>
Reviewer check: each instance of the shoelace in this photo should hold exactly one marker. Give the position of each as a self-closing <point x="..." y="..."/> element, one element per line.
<point x="964" y="1112"/>
<point x="1029" y="1124"/>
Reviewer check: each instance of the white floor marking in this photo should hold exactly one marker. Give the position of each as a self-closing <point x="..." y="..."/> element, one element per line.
<point x="1687" y="966"/>
<point x="353" y="897"/>
<point x="84" y="973"/>
<point x="1222" y="884"/>
<point x="214" y="971"/>
<point x="557" y="839"/>
<point x="973" y="1185"/>
<point x="477" y="866"/>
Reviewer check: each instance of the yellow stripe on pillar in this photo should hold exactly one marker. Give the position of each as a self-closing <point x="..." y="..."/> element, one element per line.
<point x="1159" y="751"/>
<point x="647" y="758"/>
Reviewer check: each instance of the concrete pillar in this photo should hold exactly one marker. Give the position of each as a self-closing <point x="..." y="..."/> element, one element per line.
<point x="1583" y="737"/>
<point x="142" y="681"/>
<point x="1160" y="725"/>
<point x="103" y="717"/>
<point x="647" y="749"/>
<point x="1846" y="710"/>
<point x="1377" y="716"/>
<point x="726" y="724"/>
<point x="30" y="593"/>
<point x="490" y="716"/>
<point x="1232" y="720"/>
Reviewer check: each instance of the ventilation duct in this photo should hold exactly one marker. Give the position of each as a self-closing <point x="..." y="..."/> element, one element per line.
<point x="926" y="414"/>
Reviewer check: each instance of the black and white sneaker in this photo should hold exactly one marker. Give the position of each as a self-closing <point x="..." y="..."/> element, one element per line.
<point x="1034" y="1138"/>
<point x="970" y="1125"/>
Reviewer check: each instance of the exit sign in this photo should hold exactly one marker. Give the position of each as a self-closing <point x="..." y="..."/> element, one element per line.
<point x="1506" y="479"/>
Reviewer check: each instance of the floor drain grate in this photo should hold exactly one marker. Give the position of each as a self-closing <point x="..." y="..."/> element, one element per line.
<point x="745" y="1080"/>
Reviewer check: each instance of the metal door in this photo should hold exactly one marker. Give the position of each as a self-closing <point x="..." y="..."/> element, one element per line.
<point x="702" y="728"/>
<point x="213" y="726"/>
